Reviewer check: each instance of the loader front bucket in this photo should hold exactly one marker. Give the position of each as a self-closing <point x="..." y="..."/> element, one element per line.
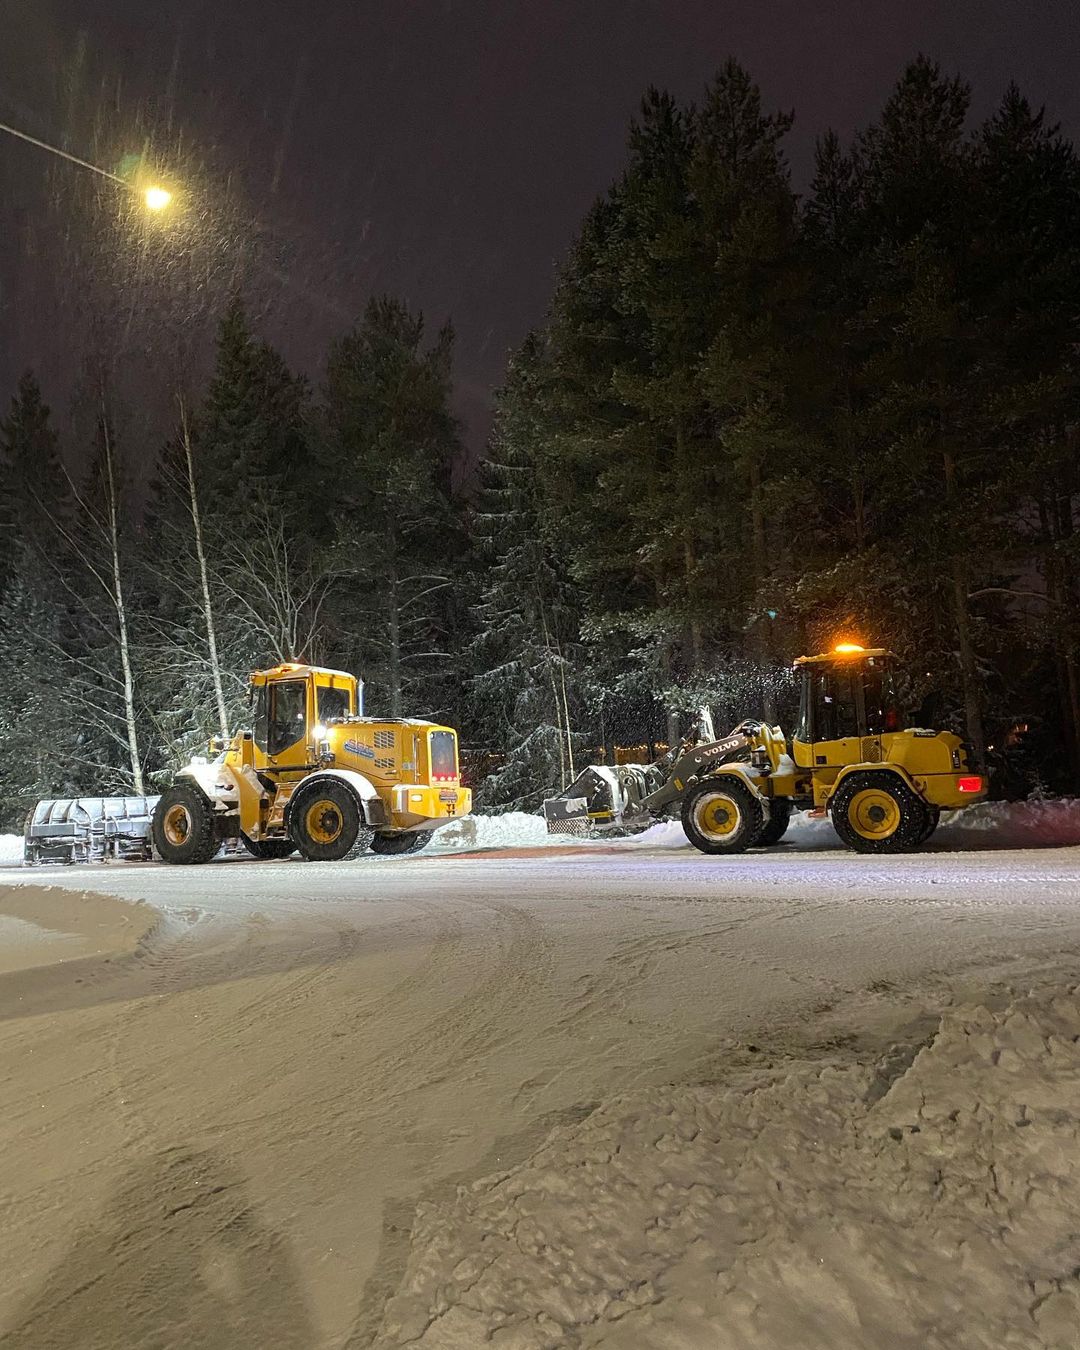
<point x="88" y="829"/>
<point x="601" y="798"/>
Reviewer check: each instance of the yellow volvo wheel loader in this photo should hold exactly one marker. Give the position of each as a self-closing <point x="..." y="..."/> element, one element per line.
<point x="313" y="775"/>
<point x="883" y="785"/>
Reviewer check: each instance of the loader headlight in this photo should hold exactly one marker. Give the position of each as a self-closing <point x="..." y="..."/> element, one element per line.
<point x="319" y="731"/>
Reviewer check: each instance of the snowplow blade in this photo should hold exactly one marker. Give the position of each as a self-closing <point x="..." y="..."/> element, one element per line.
<point x="88" y="829"/>
<point x="600" y="798"/>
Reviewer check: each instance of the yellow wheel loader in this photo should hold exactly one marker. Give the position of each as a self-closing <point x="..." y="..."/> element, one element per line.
<point x="883" y="785"/>
<point x="313" y="775"/>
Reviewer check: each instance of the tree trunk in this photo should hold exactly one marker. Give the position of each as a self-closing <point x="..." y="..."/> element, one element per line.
<point x="858" y="496"/>
<point x="693" y="638"/>
<point x="1054" y="528"/>
<point x="121" y="611"/>
<point x="563" y="735"/>
<point x="394" y="638"/>
<point x="759" y="557"/>
<point x="958" y="592"/>
<point x="204" y="582"/>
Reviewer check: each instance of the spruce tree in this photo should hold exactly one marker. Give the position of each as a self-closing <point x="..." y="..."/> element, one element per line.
<point x="526" y="653"/>
<point x="388" y="447"/>
<point x="32" y="480"/>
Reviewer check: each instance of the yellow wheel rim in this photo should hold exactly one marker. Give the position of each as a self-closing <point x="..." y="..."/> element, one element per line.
<point x="874" y="813"/>
<point x="323" y="821"/>
<point x="177" y="825"/>
<point x="717" y="815"/>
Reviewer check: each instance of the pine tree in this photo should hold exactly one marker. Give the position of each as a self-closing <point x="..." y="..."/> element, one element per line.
<point x="253" y="451"/>
<point x="525" y="697"/>
<point x="389" y="444"/>
<point x="32" y="480"/>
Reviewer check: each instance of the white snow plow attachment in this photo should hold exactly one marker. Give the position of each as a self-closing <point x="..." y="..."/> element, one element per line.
<point x="88" y="829"/>
<point x="606" y="798"/>
<point x="601" y="798"/>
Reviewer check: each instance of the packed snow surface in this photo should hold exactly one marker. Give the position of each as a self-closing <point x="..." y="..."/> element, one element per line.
<point x="284" y="1058"/>
<point x="934" y="1202"/>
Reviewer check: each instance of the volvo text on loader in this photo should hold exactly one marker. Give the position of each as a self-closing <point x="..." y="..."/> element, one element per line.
<point x="314" y="775"/>
<point x="882" y="783"/>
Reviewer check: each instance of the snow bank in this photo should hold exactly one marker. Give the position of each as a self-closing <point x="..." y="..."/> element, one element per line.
<point x="1036" y="824"/>
<point x="11" y="850"/>
<point x="933" y="1202"/>
<point x="515" y="829"/>
<point x="989" y="825"/>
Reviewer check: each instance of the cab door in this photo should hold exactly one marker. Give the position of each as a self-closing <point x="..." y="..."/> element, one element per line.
<point x="837" y="719"/>
<point x="281" y="723"/>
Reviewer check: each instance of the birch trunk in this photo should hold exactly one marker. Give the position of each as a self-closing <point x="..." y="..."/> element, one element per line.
<point x="121" y="611"/>
<point x="204" y="581"/>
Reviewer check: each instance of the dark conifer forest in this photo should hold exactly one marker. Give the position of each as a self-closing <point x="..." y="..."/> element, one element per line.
<point x="753" y="422"/>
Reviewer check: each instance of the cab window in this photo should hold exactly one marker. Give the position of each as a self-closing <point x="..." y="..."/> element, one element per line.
<point x="288" y="715"/>
<point x="333" y="704"/>
<point x="882" y="706"/>
<point x="836" y="712"/>
<point x="443" y="755"/>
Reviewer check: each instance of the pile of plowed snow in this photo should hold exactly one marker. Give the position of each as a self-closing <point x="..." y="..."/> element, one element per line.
<point x="515" y="829"/>
<point x="11" y="849"/>
<point x="925" y="1201"/>
<point x="1035" y="824"/>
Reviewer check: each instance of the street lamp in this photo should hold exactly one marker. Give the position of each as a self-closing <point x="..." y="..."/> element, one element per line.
<point x="156" y="198"/>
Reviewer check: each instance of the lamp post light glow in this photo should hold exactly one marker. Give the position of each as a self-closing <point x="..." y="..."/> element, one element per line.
<point x="157" y="198"/>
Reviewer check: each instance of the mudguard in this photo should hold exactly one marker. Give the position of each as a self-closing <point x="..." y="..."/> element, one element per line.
<point x="745" y="773"/>
<point x="215" y="781"/>
<point x="374" y="807"/>
<point x="894" y="769"/>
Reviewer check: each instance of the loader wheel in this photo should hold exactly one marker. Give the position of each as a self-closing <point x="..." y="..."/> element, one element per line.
<point x="269" y="850"/>
<point x="877" y="813"/>
<point x="776" y="825"/>
<point x="327" y="823"/>
<point x="183" y="826"/>
<point x="722" y="815"/>
<point x="398" y="845"/>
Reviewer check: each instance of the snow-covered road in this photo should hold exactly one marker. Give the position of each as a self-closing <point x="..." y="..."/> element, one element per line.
<point x="306" y="1050"/>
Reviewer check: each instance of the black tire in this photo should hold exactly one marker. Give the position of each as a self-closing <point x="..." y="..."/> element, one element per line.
<point x="327" y="822"/>
<point x="878" y="813"/>
<point x="400" y="845"/>
<point x="722" y="815"/>
<point x="269" y="850"/>
<point x="183" y="826"/>
<point x="776" y="825"/>
<point x="933" y="815"/>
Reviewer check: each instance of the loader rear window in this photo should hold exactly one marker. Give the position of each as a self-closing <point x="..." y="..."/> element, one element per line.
<point x="333" y="703"/>
<point x="443" y="756"/>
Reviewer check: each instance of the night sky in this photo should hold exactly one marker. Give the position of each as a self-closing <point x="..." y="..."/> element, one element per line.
<point x="442" y="150"/>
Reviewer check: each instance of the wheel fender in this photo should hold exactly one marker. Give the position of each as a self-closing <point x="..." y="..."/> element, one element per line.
<point x="743" y="772"/>
<point x="215" y="782"/>
<point x="363" y="788"/>
<point x="893" y="771"/>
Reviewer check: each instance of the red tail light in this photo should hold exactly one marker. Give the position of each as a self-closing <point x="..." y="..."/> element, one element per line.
<point x="972" y="784"/>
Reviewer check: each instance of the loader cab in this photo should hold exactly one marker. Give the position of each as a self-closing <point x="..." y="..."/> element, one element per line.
<point x="847" y="702"/>
<point x="289" y="702"/>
